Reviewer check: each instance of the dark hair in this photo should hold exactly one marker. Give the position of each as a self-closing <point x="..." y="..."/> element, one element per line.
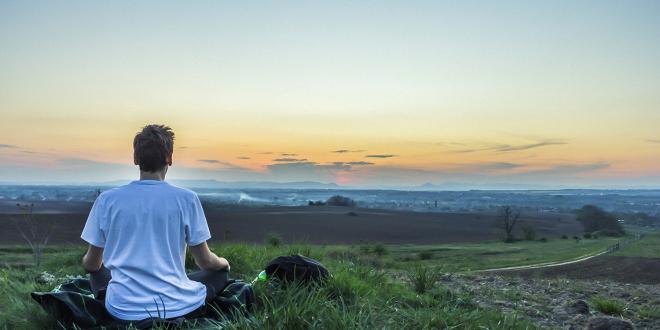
<point x="152" y="146"/>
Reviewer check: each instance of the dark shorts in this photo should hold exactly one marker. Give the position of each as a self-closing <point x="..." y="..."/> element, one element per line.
<point x="214" y="281"/>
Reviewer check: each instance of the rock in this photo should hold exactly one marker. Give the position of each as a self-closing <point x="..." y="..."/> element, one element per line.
<point x="577" y="322"/>
<point x="608" y="323"/>
<point x="580" y="307"/>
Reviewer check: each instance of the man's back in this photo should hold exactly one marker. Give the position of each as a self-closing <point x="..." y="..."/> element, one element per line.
<point x="144" y="228"/>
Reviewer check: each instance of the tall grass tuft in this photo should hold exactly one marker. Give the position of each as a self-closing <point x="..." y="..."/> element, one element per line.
<point x="422" y="278"/>
<point x="608" y="306"/>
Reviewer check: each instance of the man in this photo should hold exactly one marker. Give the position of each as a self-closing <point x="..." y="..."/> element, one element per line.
<point x="138" y="235"/>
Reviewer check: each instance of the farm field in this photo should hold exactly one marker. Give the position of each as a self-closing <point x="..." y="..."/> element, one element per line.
<point x="315" y="225"/>
<point x="638" y="262"/>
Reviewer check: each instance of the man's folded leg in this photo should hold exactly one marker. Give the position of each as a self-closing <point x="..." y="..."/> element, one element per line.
<point x="99" y="282"/>
<point x="214" y="280"/>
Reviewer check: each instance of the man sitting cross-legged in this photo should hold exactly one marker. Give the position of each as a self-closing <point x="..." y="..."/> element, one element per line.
<point x="138" y="235"/>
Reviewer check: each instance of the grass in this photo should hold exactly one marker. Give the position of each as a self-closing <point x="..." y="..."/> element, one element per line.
<point x="479" y="256"/>
<point x="648" y="247"/>
<point x="649" y="312"/>
<point x="362" y="293"/>
<point x="423" y="278"/>
<point x="608" y="306"/>
<point x="373" y="285"/>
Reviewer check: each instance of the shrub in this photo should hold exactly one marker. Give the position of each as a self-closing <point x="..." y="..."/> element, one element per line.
<point x="608" y="306"/>
<point x="425" y="255"/>
<point x="379" y="250"/>
<point x="529" y="232"/>
<point x="422" y="278"/>
<point x="594" y="218"/>
<point x="543" y="240"/>
<point x="315" y="203"/>
<point x="564" y="237"/>
<point x="352" y="214"/>
<point x="339" y="200"/>
<point x="273" y="239"/>
<point x="587" y="235"/>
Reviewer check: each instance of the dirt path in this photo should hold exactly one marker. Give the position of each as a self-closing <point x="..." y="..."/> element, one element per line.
<point x="546" y="264"/>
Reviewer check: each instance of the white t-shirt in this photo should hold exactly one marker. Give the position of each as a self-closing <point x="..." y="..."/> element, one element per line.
<point x="144" y="228"/>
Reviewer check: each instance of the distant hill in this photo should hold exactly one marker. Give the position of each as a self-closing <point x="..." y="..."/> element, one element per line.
<point x="240" y="184"/>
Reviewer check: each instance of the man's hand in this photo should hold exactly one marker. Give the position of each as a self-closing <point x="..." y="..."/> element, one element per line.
<point x="206" y="259"/>
<point x="93" y="259"/>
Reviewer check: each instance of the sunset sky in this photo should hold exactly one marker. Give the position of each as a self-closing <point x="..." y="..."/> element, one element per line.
<point x="382" y="93"/>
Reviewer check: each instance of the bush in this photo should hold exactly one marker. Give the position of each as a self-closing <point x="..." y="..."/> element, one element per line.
<point x="315" y="203"/>
<point x="425" y="255"/>
<point x="352" y="214"/>
<point x="543" y="240"/>
<point x="594" y="219"/>
<point x="529" y="232"/>
<point x="564" y="237"/>
<point x="422" y="278"/>
<point x="379" y="250"/>
<point x="608" y="306"/>
<point x="339" y="200"/>
<point x="273" y="239"/>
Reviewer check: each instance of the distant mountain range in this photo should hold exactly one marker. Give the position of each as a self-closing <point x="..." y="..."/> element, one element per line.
<point x="446" y="186"/>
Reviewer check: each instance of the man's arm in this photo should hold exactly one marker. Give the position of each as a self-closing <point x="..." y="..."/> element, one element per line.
<point x="93" y="259"/>
<point x="206" y="259"/>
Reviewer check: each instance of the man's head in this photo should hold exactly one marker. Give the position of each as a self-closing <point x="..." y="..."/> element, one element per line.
<point x="152" y="148"/>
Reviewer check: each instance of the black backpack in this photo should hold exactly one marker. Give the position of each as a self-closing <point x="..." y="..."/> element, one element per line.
<point x="297" y="268"/>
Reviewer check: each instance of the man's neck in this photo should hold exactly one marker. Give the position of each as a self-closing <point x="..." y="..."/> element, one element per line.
<point x="159" y="175"/>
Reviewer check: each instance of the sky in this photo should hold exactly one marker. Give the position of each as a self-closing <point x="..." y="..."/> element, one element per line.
<point x="371" y="93"/>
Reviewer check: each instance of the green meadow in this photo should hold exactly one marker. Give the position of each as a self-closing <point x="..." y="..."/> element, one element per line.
<point x="373" y="286"/>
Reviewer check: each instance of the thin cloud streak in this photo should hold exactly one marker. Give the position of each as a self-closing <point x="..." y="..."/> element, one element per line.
<point x="286" y="159"/>
<point x="501" y="147"/>
<point x="380" y="156"/>
<point x="360" y="163"/>
<point x="342" y="151"/>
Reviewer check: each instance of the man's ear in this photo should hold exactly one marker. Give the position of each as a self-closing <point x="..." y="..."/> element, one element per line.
<point x="135" y="160"/>
<point x="169" y="160"/>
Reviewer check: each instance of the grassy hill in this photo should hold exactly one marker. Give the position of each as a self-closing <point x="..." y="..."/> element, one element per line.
<point x="373" y="286"/>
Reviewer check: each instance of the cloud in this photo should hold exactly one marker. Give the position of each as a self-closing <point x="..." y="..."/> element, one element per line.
<point x="342" y="151"/>
<point x="243" y="157"/>
<point x="567" y="169"/>
<point x="306" y="171"/>
<point x="508" y="147"/>
<point x="497" y="166"/>
<point x="266" y="153"/>
<point x="289" y="155"/>
<point x="652" y="140"/>
<point x="380" y="156"/>
<point x="287" y="159"/>
<point x="221" y="162"/>
<point x="182" y="147"/>
<point x="354" y="163"/>
<point x="8" y="146"/>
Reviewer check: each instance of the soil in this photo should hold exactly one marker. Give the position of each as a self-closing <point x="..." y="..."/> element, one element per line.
<point x="312" y="224"/>
<point x="557" y="303"/>
<point x="612" y="268"/>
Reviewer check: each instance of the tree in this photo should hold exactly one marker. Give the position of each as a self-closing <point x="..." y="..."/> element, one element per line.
<point x="508" y="218"/>
<point x="36" y="236"/>
<point x="595" y="219"/>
